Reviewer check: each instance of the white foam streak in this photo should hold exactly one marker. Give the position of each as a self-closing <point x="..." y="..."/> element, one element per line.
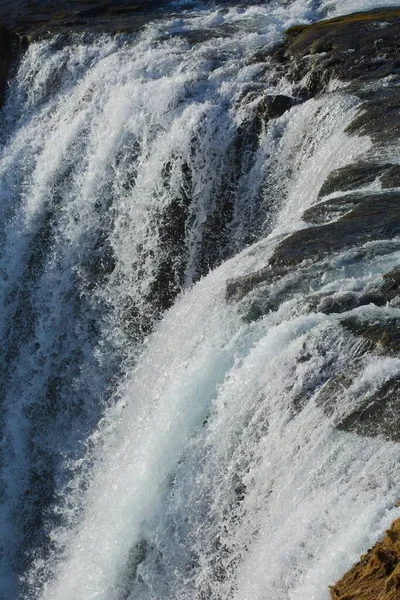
<point x="162" y="406"/>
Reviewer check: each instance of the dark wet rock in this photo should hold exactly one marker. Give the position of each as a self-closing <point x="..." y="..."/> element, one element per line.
<point x="357" y="175"/>
<point x="272" y="107"/>
<point x="44" y="17"/>
<point x="391" y="177"/>
<point x="379" y="414"/>
<point x="171" y="225"/>
<point x="332" y="209"/>
<point x="10" y="46"/>
<point x="360" y="46"/>
<point x="340" y="302"/>
<point x="379" y="115"/>
<point x="381" y="334"/>
<point x="376" y="217"/>
<point x="261" y="300"/>
<point x="100" y="263"/>
<point x="259" y="307"/>
<point x="391" y="285"/>
<point x="343" y="302"/>
<point x="238" y="288"/>
<point x="170" y="272"/>
<point x="216" y="243"/>
<point x="257" y="286"/>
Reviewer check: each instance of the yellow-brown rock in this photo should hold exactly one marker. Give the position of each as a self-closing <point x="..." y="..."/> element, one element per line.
<point x="377" y="575"/>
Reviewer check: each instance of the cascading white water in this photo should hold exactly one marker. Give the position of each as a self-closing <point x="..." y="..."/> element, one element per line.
<point x="184" y="466"/>
<point x="107" y="145"/>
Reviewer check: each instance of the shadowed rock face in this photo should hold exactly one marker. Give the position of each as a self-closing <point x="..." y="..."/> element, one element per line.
<point x="371" y="217"/>
<point x="10" y="46"/>
<point x="342" y="223"/>
<point x="360" y="174"/>
<point x="37" y="17"/>
<point x="379" y="415"/>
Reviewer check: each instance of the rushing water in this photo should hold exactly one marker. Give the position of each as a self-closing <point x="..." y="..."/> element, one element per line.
<point x="185" y="456"/>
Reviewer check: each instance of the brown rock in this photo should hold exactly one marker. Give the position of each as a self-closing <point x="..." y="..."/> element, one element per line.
<point x="377" y="575"/>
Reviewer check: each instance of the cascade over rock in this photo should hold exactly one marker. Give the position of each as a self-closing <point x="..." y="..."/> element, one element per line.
<point x="363" y="52"/>
<point x="200" y="295"/>
<point x="359" y="50"/>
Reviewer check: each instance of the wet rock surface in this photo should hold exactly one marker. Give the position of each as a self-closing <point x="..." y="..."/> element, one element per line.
<point x="358" y="206"/>
<point x="377" y="575"/>
<point x="371" y="218"/>
<point x="379" y="414"/>
<point x="360" y="50"/>
<point x="44" y="17"/>
<point x="378" y="116"/>
<point x="10" y="47"/>
<point x="343" y="302"/>
<point x="357" y="175"/>
<point x="272" y="107"/>
<point x="336" y="208"/>
<point x="357" y="47"/>
<point x="382" y="335"/>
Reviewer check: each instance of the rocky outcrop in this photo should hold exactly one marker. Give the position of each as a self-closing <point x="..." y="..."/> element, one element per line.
<point x="361" y="174"/>
<point x="366" y="218"/>
<point x="359" y="50"/>
<point x="377" y="575"/>
<point x="44" y="17"/>
<point x="358" y="209"/>
<point x="354" y="48"/>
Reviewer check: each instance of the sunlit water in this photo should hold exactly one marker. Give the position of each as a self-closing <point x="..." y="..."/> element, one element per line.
<point x="194" y="461"/>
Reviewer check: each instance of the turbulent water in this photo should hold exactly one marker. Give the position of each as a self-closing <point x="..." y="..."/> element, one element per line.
<point x="157" y="442"/>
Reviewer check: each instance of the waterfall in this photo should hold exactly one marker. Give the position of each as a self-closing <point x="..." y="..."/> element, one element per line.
<point x="160" y="440"/>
